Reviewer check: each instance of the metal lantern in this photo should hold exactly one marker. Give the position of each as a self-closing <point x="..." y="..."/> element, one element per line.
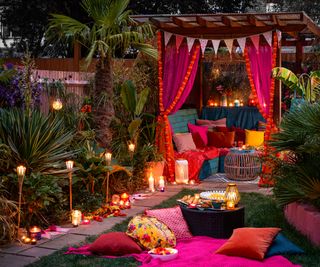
<point x="76" y="217"/>
<point x="181" y="171"/>
<point x="232" y="193"/>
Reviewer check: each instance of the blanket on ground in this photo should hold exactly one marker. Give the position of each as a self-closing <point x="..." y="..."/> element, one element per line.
<point x="198" y="251"/>
<point x="196" y="158"/>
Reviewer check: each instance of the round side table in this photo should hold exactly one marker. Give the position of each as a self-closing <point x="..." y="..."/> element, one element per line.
<point x="214" y="223"/>
<point x="242" y="165"/>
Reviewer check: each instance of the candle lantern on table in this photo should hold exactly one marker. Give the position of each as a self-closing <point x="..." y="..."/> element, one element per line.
<point x="35" y="232"/>
<point x="69" y="164"/>
<point x="21" y="171"/>
<point x="161" y="183"/>
<point x="181" y="171"/>
<point x="108" y="157"/>
<point x="115" y="199"/>
<point x="124" y="197"/>
<point x="76" y="217"/>
<point x="151" y="183"/>
<point x="232" y="196"/>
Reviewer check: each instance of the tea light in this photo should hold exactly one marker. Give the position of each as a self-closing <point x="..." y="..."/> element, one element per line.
<point x="236" y="103"/>
<point x="161" y="183"/>
<point x="23" y="238"/>
<point x="215" y="104"/>
<point x="131" y="147"/>
<point x="244" y="147"/>
<point x="127" y="205"/>
<point x="151" y="183"/>
<point x="121" y="203"/>
<point x="230" y="205"/>
<point x="76" y="218"/>
<point x="124" y="197"/>
<point x="241" y="103"/>
<point x="27" y="240"/>
<point x="85" y="222"/>
<point x="115" y="199"/>
<point x="192" y="182"/>
<point x="35" y="232"/>
<point x="33" y="241"/>
<point x="196" y="196"/>
<point x="230" y="105"/>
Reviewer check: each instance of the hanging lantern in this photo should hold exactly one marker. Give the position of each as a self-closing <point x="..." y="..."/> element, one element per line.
<point x="57" y="104"/>
<point x="232" y="196"/>
<point x="181" y="171"/>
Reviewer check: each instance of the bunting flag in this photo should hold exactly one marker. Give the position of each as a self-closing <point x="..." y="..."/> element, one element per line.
<point x="229" y="44"/>
<point x="255" y="40"/>
<point x="242" y="43"/>
<point x="279" y="35"/>
<point x="215" y="44"/>
<point x="190" y="42"/>
<point x="203" y="44"/>
<point x="268" y="37"/>
<point x="179" y="39"/>
<point x="167" y="36"/>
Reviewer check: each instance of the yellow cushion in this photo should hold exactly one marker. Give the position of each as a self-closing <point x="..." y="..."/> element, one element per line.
<point x="150" y="233"/>
<point x="254" y="138"/>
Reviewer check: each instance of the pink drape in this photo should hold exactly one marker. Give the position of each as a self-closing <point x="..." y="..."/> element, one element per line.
<point x="261" y="66"/>
<point x="176" y="63"/>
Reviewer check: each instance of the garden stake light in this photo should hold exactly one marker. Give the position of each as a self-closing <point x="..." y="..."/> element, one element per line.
<point x="108" y="157"/>
<point x="69" y="165"/>
<point x="21" y="171"/>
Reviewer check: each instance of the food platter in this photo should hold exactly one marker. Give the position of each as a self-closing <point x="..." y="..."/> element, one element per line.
<point x="213" y="195"/>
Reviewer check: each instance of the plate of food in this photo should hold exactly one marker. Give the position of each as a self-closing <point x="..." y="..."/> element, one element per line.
<point x="213" y="195"/>
<point x="164" y="254"/>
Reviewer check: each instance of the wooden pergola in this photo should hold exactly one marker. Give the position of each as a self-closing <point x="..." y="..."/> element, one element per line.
<point x="297" y="30"/>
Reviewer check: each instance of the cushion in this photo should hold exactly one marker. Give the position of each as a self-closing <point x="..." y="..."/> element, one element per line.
<point x="251" y="243"/>
<point x="198" y="141"/>
<point x="262" y="126"/>
<point x="184" y="142"/>
<point x="222" y="129"/>
<point x="254" y="138"/>
<point x="173" y="218"/>
<point x="220" y="139"/>
<point x="150" y="233"/>
<point x="201" y="130"/>
<point x="211" y="123"/>
<point x="282" y="245"/>
<point x="240" y="134"/>
<point x="114" y="244"/>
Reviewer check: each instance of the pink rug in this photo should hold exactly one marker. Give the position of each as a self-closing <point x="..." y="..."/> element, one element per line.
<point x="198" y="252"/>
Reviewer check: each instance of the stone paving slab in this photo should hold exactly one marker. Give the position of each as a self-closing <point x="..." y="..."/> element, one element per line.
<point x="15" y="260"/>
<point x="37" y="252"/>
<point x="63" y="241"/>
<point x="150" y="202"/>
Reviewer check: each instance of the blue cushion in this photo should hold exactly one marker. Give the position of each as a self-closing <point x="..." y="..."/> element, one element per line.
<point x="282" y="245"/>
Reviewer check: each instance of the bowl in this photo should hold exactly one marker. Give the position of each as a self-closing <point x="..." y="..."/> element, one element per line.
<point x="167" y="257"/>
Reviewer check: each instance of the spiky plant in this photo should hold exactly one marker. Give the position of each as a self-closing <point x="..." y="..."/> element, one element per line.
<point x="299" y="178"/>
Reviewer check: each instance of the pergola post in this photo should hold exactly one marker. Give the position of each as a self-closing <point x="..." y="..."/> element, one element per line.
<point x="299" y="55"/>
<point x="277" y="92"/>
<point x="76" y="56"/>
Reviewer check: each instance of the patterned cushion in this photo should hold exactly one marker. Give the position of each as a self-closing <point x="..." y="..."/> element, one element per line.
<point x="211" y="124"/>
<point x="173" y="218"/>
<point x="150" y="232"/>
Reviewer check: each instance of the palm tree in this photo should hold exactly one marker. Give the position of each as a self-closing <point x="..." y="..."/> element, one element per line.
<point x="110" y="30"/>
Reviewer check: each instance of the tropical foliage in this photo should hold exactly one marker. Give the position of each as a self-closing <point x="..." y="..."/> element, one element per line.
<point x="298" y="177"/>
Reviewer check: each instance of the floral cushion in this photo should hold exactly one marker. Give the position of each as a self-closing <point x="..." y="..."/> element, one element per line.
<point x="150" y="233"/>
<point x="173" y="218"/>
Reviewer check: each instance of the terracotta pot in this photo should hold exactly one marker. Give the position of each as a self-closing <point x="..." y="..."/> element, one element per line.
<point x="156" y="168"/>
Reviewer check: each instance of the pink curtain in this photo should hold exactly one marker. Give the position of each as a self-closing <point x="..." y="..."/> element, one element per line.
<point x="261" y="66"/>
<point x="176" y="63"/>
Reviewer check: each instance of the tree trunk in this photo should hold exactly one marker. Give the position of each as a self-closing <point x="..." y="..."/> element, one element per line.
<point x="103" y="110"/>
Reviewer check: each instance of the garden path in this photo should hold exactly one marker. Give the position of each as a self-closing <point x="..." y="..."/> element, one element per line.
<point x="17" y="255"/>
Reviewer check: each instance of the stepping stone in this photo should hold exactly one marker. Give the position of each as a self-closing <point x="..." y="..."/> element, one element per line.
<point x="7" y="260"/>
<point x="63" y="241"/>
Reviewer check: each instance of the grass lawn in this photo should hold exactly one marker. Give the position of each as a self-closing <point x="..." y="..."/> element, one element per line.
<point x="261" y="211"/>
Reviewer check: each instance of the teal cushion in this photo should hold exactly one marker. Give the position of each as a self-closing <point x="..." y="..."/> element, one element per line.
<point x="282" y="245"/>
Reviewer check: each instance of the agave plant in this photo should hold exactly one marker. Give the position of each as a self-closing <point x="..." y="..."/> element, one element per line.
<point x="307" y="85"/>
<point x="38" y="141"/>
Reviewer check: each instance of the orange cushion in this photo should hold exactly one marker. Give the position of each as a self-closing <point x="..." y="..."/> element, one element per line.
<point x="221" y="139"/>
<point x="251" y="243"/>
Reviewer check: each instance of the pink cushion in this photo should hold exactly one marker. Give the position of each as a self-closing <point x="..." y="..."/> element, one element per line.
<point x="211" y="124"/>
<point x="184" y="142"/>
<point x="201" y="130"/>
<point x="173" y="218"/>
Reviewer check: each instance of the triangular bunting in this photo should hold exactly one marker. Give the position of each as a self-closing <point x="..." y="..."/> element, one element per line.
<point x="255" y="40"/>
<point x="179" y="40"/>
<point x="167" y="36"/>
<point x="279" y="35"/>
<point x="229" y="44"/>
<point x="215" y="44"/>
<point x="190" y="42"/>
<point x="268" y="37"/>
<point x="242" y="43"/>
<point x="203" y="44"/>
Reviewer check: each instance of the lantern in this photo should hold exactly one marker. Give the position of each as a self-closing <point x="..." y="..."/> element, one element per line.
<point x="108" y="157"/>
<point x="232" y="194"/>
<point x="124" y="197"/>
<point x="161" y="183"/>
<point x="76" y="218"/>
<point x="69" y="164"/>
<point x="57" y="104"/>
<point x="181" y="171"/>
<point x="115" y="199"/>
<point x="35" y="232"/>
<point x="131" y="147"/>
<point x="151" y="183"/>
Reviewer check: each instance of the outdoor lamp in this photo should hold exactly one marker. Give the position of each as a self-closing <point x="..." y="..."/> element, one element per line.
<point x="57" y="104"/>
<point x="108" y="157"/>
<point x="131" y="147"/>
<point x="69" y="164"/>
<point x="232" y="194"/>
<point x="21" y="171"/>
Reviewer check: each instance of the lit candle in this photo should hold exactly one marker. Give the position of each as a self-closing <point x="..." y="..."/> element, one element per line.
<point x="127" y="204"/>
<point x="57" y="104"/>
<point x="124" y="197"/>
<point x="121" y="203"/>
<point x="244" y="147"/>
<point x="69" y="164"/>
<point x="27" y="240"/>
<point x="108" y="157"/>
<point x="21" y="170"/>
<point x="33" y="241"/>
<point x="131" y="147"/>
<point x="23" y="238"/>
<point x="151" y="183"/>
<point x="236" y="103"/>
<point x="230" y="105"/>
<point x="215" y="104"/>
<point x="161" y="183"/>
<point x="76" y="218"/>
<point x="196" y="196"/>
<point x="115" y="199"/>
<point x="85" y="222"/>
<point x="241" y="104"/>
<point x="35" y="232"/>
<point x="230" y="205"/>
<point x="191" y="182"/>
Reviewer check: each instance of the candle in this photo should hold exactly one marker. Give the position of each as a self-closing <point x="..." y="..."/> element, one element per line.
<point x="244" y="147"/>
<point x="121" y="203"/>
<point x="241" y="104"/>
<point x="196" y="196"/>
<point x="85" y="222"/>
<point x="191" y="182"/>
<point x="131" y="147"/>
<point x="23" y="238"/>
<point x="151" y="183"/>
<point x="230" y="105"/>
<point x="161" y="183"/>
<point x="21" y="170"/>
<point x="35" y="232"/>
<point x="236" y="103"/>
<point x="27" y="240"/>
<point x="215" y="104"/>
<point x="76" y="218"/>
<point x="127" y="204"/>
<point x="69" y="164"/>
<point x="115" y="199"/>
<point x="124" y="197"/>
<point x="230" y="205"/>
<point x="33" y="241"/>
<point x="108" y="157"/>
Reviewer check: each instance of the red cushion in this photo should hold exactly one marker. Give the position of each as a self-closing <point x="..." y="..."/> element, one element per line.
<point x="240" y="134"/>
<point x="220" y="139"/>
<point x="222" y="129"/>
<point x="251" y="243"/>
<point x="198" y="141"/>
<point x="114" y="244"/>
<point x="201" y="130"/>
